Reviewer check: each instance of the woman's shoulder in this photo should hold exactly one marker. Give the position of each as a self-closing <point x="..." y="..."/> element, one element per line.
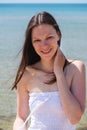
<point x="26" y="73"/>
<point x="24" y="79"/>
<point x="77" y="64"/>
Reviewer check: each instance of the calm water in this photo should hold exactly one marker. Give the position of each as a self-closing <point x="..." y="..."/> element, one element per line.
<point x="14" y="18"/>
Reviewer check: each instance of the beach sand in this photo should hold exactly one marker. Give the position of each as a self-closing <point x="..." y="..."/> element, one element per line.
<point x="6" y="124"/>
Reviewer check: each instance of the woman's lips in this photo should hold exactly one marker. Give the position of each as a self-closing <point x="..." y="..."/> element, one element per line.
<point x="46" y="52"/>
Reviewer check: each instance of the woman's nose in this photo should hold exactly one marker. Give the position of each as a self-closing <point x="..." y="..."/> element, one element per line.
<point x="44" y="43"/>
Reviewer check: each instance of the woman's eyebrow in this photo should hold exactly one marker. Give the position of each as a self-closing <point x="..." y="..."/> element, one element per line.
<point x="34" y="37"/>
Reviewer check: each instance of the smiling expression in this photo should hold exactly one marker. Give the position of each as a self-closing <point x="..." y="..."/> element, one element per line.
<point x="44" y="40"/>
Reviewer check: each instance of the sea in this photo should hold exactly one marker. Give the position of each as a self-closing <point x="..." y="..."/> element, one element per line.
<point x="14" y="18"/>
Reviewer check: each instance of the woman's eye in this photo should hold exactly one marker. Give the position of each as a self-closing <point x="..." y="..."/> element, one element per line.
<point x="35" y="41"/>
<point x="50" y="37"/>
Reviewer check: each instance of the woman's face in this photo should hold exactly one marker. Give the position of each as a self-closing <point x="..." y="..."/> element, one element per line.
<point x="44" y="40"/>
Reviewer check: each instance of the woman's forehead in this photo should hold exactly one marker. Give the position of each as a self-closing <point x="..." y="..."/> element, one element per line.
<point x="43" y="29"/>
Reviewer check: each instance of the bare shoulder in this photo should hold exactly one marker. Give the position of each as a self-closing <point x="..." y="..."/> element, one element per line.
<point x="77" y="65"/>
<point x="23" y="83"/>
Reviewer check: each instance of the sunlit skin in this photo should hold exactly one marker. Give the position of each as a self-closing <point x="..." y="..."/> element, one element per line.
<point x="44" y="40"/>
<point x="70" y="82"/>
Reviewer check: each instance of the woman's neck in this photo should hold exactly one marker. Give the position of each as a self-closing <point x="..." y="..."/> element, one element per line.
<point x="46" y="66"/>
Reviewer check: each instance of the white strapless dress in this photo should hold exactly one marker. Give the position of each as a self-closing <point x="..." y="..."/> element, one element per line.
<point x="46" y="112"/>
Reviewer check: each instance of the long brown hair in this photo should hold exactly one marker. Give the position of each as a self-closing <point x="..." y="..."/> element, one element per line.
<point x="29" y="56"/>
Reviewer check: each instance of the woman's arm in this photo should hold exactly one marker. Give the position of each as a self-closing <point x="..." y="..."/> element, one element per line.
<point x="73" y="99"/>
<point x="22" y="103"/>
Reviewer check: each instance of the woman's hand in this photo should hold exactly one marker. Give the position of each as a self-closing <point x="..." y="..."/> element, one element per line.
<point x="59" y="61"/>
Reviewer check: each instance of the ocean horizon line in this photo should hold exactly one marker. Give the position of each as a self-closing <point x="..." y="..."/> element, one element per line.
<point x="69" y="5"/>
<point x="49" y="3"/>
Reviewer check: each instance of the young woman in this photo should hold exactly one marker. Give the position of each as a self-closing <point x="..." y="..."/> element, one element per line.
<point x="50" y="87"/>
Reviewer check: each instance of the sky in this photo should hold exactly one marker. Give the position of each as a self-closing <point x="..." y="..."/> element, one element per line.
<point x="43" y="1"/>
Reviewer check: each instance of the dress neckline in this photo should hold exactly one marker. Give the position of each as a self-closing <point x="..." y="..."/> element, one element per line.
<point x="44" y="93"/>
